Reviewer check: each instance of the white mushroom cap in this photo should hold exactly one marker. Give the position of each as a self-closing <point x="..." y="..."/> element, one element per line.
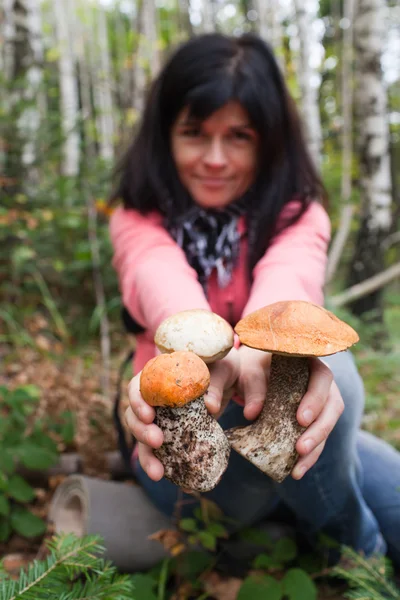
<point x="200" y="331"/>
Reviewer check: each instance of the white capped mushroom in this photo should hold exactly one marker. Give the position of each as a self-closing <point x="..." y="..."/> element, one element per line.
<point x="200" y="331"/>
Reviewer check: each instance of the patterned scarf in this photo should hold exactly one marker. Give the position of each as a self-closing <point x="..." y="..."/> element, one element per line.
<point x="210" y="240"/>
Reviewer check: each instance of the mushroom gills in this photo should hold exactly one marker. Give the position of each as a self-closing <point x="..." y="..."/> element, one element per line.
<point x="269" y="442"/>
<point x="195" y="452"/>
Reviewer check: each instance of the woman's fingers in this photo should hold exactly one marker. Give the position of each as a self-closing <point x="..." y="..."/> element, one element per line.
<point x="317" y="393"/>
<point x="252" y="384"/>
<point x="151" y="435"/>
<point x="150" y="464"/>
<point x="319" y="431"/>
<point x="139" y="417"/>
<point x="305" y="463"/>
<point x="140" y="408"/>
<point x="223" y="375"/>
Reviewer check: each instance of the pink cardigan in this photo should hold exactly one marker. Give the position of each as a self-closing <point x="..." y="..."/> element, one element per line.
<point x="156" y="280"/>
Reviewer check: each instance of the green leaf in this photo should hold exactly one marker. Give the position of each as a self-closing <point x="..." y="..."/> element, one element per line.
<point x="189" y="525"/>
<point x="25" y="523"/>
<point x="144" y="587"/>
<point x="217" y="530"/>
<point x="6" y="460"/>
<point x="284" y="550"/>
<point x="255" y="536"/>
<point x="35" y="457"/>
<point x="265" y="561"/>
<point x="5" y="529"/>
<point x="190" y="564"/>
<point x="298" y="585"/>
<point x="262" y="587"/>
<point x="19" y="489"/>
<point x="3" y="482"/>
<point x="4" y="506"/>
<point x="207" y="540"/>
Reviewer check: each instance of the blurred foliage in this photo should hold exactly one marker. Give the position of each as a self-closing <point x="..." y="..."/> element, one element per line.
<point x="31" y="443"/>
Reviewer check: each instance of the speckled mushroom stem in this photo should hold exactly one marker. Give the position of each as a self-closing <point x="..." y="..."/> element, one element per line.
<point x="269" y="442"/>
<point x="195" y="451"/>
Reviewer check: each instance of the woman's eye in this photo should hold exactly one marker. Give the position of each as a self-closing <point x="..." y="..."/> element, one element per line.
<point x="191" y="132"/>
<point x="242" y="135"/>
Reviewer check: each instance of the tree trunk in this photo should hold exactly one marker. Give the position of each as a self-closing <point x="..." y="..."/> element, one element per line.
<point x="30" y="118"/>
<point x="373" y="148"/>
<point x="269" y="27"/>
<point x="69" y="100"/>
<point x="209" y="16"/>
<point x="103" y="87"/>
<point x="22" y="60"/>
<point x="147" y="61"/>
<point x="185" y="24"/>
<point x="343" y="231"/>
<point x="309" y="91"/>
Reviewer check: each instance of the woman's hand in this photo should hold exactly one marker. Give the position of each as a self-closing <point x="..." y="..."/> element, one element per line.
<point x="319" y="410"/>
<point x="140" y="416"/>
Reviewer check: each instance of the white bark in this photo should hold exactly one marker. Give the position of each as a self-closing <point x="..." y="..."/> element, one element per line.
<point x="343" y="232"/>
<point x="7" y="63"/>
<point x="29" y="121"/>
<point x="209" y="16"/>
<point x="124" y="74"/>
<point x="103" y="88"/>
<point x="269" y="26"/>
<point x="69" y="101"/>
<point x="147" y="61"/>
<point x="83" y="48"/>
<point x="371" y="110"/>
<point x="184" y="18"/>
<point x="309" y="91"/>
<point x="8" y="35"/>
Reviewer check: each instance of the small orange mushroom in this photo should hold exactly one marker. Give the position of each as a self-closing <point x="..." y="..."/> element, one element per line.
<point x="195" y="451"/>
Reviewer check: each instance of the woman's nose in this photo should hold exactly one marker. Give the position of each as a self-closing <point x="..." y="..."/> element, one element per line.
<point x="215" y="155"/>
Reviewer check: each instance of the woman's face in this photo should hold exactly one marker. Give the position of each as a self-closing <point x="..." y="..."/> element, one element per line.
<point x="216" y="159"/>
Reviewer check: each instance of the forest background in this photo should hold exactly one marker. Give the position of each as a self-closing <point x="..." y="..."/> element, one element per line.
<point x="73" y="78"/>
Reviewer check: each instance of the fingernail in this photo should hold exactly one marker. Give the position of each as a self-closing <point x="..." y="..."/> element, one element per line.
<point x="212" y="402"/>
<point x="308" y="415"/>
<point x="299" y="472"/>
<point x="308" y="444"/>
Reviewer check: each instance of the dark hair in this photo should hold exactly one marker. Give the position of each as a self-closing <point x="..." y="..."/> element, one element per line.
<point x="204" y="74"/>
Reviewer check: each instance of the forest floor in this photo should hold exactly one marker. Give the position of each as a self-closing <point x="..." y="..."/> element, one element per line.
<point x="70" y="381"/>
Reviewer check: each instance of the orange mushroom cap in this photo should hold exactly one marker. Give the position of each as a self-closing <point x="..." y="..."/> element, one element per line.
<point x="297" y="328"/>
<point x="174" y="379"/>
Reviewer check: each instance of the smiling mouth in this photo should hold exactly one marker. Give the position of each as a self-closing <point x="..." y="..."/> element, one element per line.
<point x="213" y="181"/>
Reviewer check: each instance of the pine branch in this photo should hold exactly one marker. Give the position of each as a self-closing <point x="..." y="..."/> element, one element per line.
<point x="369" y="577"/>
<point x="72" y="571"/>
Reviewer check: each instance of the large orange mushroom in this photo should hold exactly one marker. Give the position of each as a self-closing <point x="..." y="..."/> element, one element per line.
<point x="292" y="331"/>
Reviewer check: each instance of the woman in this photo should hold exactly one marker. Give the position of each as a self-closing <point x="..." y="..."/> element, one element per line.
<point x="223" y="210"/>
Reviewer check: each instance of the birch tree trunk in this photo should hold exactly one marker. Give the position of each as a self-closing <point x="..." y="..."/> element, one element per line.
<point x="147" y="61"/>
<point x="103" y="87"/>
<point x="346" y="213"/>
<point x="309" y="91"/>
<point x="209" y="16"/>
<point x="373" y="148"/>
<point x="83" y="48"/>
<point x="7" y="69"/>
<point x="69" y="101"/>
<point x="29" y="121"/>
<point x="22" y="60"/>
<point x="185" y="24"/>
<point x="269" y="27"/>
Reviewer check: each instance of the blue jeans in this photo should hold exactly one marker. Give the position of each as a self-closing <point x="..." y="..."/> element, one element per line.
<point x="352" y="493"/>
